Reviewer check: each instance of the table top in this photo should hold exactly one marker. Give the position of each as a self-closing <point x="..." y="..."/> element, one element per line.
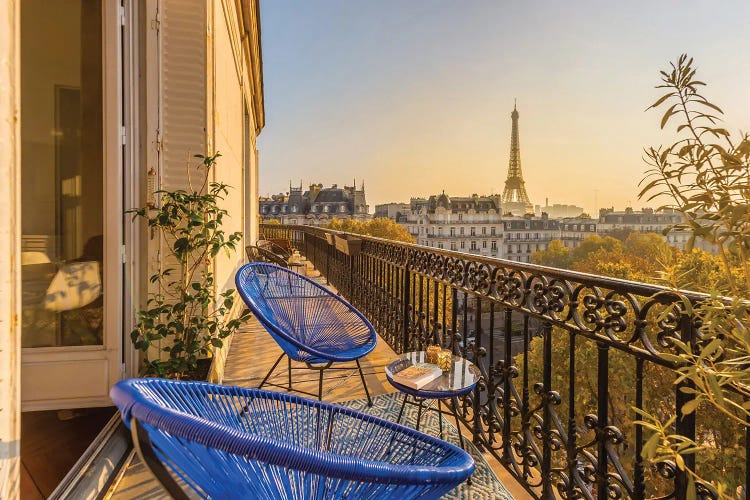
<point x="459" y="381"/>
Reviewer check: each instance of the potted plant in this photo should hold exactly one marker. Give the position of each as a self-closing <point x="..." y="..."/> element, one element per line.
<point x="183" y="317"/>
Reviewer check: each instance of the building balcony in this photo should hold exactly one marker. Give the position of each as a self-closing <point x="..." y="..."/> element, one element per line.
<point x="556" y="409"/>
<point x="463" y="236"/>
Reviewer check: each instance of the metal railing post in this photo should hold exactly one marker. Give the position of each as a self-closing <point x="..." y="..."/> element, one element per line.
<point x="685" y="424"/>
<point x="405" y="294"/>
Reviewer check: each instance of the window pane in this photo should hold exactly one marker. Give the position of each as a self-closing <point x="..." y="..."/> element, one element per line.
<point x="62" y="172"/>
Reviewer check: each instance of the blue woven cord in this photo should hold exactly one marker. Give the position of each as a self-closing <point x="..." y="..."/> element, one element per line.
<point x="308" y="321"/>
<point x="230" y="442"/>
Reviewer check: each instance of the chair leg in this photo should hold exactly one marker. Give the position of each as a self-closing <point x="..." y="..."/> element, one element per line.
<point x="265" y="379"/>
<point x="364" y="384"/>
<point x="145" y="450"/>
<point x="320" y="385"/>
<point x="289" y="371"/>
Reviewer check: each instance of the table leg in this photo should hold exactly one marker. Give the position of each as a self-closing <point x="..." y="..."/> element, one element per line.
<point x="440" y="417"/>
<point x="419" y="412"/>
<point x="401" y="412"/>
<point x="458" y="429"/>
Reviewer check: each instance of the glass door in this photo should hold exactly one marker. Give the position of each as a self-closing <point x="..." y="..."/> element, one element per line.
<point x="69" y="176"/>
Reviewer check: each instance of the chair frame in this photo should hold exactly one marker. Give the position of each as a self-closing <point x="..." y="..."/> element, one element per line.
<point x="274" y="331"/>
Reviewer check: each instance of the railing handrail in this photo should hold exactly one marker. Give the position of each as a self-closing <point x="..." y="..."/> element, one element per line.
<point x="618" y="284"/>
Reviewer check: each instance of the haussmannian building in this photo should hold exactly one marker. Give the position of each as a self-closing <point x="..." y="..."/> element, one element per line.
<point x="648" y="220"/>
<point x="474" y="224"/>
<point x="316" y="206"/>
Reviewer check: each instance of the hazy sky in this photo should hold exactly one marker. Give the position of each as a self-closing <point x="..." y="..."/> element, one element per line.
<point x="415" y="96"/>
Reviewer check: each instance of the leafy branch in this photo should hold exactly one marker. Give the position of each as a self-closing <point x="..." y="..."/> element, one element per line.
<point x="705" y="176"/>
<point x="182" y="317"/>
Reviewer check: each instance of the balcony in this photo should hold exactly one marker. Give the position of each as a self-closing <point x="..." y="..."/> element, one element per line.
<point x="551" y="346"/>
<point x="558" y="412"/>
<point x="251" y="354"/>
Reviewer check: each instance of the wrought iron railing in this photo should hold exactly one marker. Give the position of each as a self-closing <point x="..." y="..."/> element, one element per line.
<point x="565" y="357"/>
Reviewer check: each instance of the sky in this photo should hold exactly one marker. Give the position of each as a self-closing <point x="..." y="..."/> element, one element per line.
<point x="414" y="97"/>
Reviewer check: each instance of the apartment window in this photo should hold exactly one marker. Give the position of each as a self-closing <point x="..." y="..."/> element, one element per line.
<point x="484" y="244"/>
<point x="462" y="231"/>
<point x="440" y="231"/>
<point x="473" y="231"/>
<point x="453" y="245"/>
<point x="494" y="245"/>
<point x="492" y="231"/>
<point x="484" y="230"/>
<point x="463" y="245"/>
<point x="528" y="248"/>
<point x="473" y="245"/>
<point x="460" y="217"/>
<point x="510" y="248"/>
<point x="518" y="236"/>
<point x="440" y="245"/>
<point x="453" y="231"/>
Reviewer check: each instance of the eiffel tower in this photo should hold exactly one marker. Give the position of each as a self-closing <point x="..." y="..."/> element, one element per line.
<point x="514" y="198"/>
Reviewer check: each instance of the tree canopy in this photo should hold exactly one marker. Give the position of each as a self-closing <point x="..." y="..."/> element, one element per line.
<point x="379" y="227"/>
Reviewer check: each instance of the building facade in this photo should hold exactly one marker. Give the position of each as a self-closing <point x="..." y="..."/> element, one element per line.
<point x="393" y="211"/>
<point x="316" y="206"/>
<point x="574" y="230"/>
<point x="475" y="225"/>
<point x="559" y="210"/>
<point x="104" y="103"/>
<point x="648" y="220"/>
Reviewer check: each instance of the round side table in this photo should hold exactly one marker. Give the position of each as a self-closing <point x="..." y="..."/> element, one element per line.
<point x="459" y="381"/>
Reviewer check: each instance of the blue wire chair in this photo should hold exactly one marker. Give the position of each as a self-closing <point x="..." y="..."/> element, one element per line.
<point x="232" y="442"/>
<point x="311" y="324"/>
